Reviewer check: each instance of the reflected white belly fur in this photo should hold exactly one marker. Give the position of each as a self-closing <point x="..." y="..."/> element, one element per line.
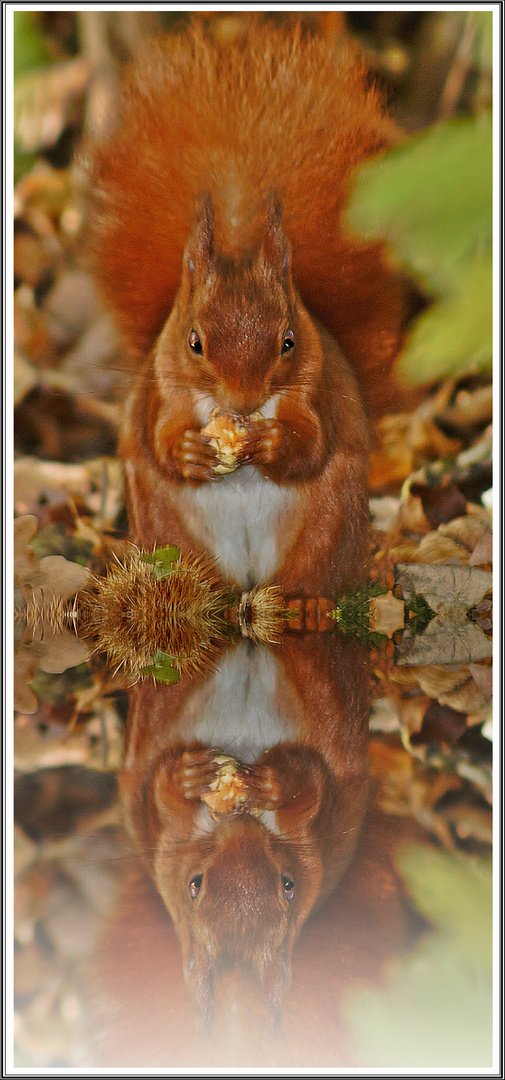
<point x="242" y="709"/>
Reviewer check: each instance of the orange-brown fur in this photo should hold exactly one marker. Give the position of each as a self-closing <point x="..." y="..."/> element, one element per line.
<point x="275" y="110"/>
<point x="218" y="198"/>
<point x="313" y="782"/>
<point x="142" y="1016"/>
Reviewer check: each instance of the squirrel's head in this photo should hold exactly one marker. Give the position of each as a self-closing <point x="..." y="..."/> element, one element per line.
<point x="236" y="317"/>
<point x="237" y="899"/>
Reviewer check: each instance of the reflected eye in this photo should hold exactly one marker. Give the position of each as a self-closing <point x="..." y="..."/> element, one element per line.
<point x="288" y="342"/>
<point x="195" y="886"/>
<point x="195" y="343"/>
<point x="288" y="886"/>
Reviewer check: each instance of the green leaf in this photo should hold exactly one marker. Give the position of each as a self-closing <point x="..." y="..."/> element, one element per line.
<point x="30" y="49"/>
<point x="456" y="334"/>
<point x="454" y="892"/>
<point x="435" y="1009"/>
<point x="431" y="198"/>
<point x="162" y="668"/>
<point x="162" y="559"/>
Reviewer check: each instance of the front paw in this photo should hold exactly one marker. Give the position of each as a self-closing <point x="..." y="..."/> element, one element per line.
<point x="195" y="771"/>
<point x="194" y="456"/>
<point x="263" y="444"/>
<point x="263" y="788"/>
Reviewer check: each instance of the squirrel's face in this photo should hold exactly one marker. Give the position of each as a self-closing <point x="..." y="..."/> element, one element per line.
<point x="236" y="896"/>
<point x="236" y="319"/>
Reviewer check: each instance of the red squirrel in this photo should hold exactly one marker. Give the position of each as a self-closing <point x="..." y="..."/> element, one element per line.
<point x="239" y="885"/>
<point x="217" y="239"/>
<point x="307" y="888"/>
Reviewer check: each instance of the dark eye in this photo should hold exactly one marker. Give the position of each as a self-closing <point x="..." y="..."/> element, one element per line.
<point x="195" y="343"/>
<point x="288" y="886"/>
<point x="195" y="886"/>
<point x="288" y="342"/>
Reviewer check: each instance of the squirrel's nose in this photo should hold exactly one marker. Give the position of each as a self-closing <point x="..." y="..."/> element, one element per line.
<point x="238" y="401"/>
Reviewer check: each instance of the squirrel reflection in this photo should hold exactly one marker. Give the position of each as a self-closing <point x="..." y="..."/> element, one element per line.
<point x="240" y="885"/>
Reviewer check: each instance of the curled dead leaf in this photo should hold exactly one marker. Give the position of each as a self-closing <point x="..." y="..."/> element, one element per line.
<point x="449" y="590"/>
<point x="386" y="614"/>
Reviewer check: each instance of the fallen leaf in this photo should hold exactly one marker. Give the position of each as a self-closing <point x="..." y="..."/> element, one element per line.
<point x="25" y="376"/>
<point x="25" y="560"/>
<point x="483" y="676"/>
<point x="455" y="688"/>
<point x="62" y="651"/>
<point x="456" y="539"/>
<point x="384" y="512"/>
<point x="26" y="664"/>
<point x="441" y="502"/>
<point x="455" y="641"/>
<point x="449" y="590"/>
<point x="470" y="407"/>
<point x="43" y="101"/>
<point x="62" y="578"/>
<point x="482" y="554"/>
<point x="387" y="614"/>
<point x="384" y="715"/>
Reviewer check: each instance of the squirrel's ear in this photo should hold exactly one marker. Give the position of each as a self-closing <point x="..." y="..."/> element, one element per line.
<point x="274" y="971"/>
<point x="275" y="250"/>
<point x="199" y="253"/>
<point x="199" y="979"/>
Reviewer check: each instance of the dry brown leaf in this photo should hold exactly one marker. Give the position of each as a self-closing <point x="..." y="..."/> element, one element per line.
<point x="25" y="377"/>
<point x="453" y="540"/>
<point x="62" y="578"/>
<point x="470" y="407"/>
<point x="384" y="715"/>
<point x="449" y="590"/>
<point x="62" y="651"/>
<point x="405" y="788"/>
<point x="26" y="664"/>
<point x="483" y="676"/>
<point x="457" y="688"/>
<point x="43" y="101"/>
<point x="25" y="560"/>
<point x="412" y="712"/>
<point x="412" y="517"/>
<point x="482" y="555"/>
<point x="387" y="614"/>
<point x="406" y="439"/>
<point x="445" y="641"/>
<point x="470" y="822"/>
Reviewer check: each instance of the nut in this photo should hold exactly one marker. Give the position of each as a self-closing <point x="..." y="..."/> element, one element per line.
<point x="229" y="790"/>
<point x="227" y="436"/>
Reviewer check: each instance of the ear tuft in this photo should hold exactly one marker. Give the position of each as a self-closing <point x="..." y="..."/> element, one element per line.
<point x="199" y="979"/>
<point x="199" y="253"/>
<point x="275" y="975"/>
<point x="275" y="251"/>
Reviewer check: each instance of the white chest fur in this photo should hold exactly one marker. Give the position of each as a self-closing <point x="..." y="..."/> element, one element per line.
<point x="239" y="520"/>
<point x="242" y="518"/>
